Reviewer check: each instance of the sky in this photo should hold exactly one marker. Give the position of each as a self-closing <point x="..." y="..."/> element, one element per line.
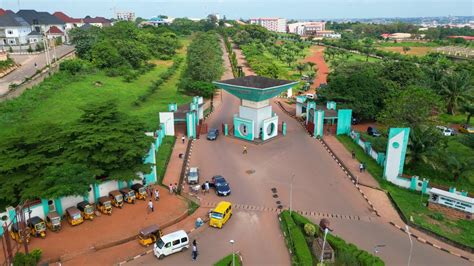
<point x="234" y="9"/>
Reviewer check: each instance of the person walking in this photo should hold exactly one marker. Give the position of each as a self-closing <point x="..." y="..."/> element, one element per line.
<point x="183" y="139"/>
<point x="150" y="206"/>
<point x="195" y="250"/>
<point x="361" y="167"/>
<point x="175" y="188"/>
<point x="206" y="187"/>
<point x="157" y="195"/>
<point x="245" y="150"/>
<point x="171" y="188"/>
<point x="150" y="191"/>
<point x="353" y="154"/>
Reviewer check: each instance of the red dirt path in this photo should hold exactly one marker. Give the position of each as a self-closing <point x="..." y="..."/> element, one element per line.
<point x="317" y="56"/>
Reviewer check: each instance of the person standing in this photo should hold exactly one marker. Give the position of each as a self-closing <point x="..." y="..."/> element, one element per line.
<point x="150" y="191"/>
<point x="157" y="194"/>
<point x="150" y="206"/>
<point x="195" y="250"/>
<point x="245" y="150"/>
<point x="353" y="154"/>
<point x="183" y="139"/>
<point x="175" y="188"/>
<point x="206" y="187"/>
<point x="171" y="188"/>
<point x="361" y="167"/>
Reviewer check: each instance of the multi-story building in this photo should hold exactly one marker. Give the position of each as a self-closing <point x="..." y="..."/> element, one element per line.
<point x="271" y="24"/>
<point x="41" y="21"/>
<point x="14" y="29"/>
<point x="307" y="28"/>
<point x="127" y="16"/>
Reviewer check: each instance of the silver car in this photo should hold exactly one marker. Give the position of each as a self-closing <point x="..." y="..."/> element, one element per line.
<point x="193" y="175"/>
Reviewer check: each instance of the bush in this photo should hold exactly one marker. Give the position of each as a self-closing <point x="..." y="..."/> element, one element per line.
<point x="297" y="240"/>
<point x="437" y="216"/>
<point x="73" y="66"/>
<point x="31" y="259"/>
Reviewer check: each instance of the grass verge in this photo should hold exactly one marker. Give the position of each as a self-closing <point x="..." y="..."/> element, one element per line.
<point x="163" y="157"/>
<point x="227" y="261"/>
<point x="413" y="204"/>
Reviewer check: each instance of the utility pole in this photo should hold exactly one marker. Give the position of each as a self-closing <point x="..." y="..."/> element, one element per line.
<point x="291" y="192"/>
<point x="411" y="244"/>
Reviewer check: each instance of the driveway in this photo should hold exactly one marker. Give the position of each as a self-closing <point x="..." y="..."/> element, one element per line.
<point x="27" y="68"/>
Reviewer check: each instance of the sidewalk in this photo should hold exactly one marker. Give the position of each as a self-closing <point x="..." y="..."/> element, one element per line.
<point x="382" y="203"/>
<point x="175" y="164"/>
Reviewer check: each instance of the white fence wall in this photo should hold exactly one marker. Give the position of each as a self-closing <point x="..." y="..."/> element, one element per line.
<point x="70" y="201"/>
<point x="36" y="210"/>
<point x="106" y="187"/>
<point x="361" y="143"/>
<point x="374" y="154"/>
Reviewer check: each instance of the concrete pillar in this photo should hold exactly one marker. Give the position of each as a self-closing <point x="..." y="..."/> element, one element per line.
<point x="226" y="130"/>
<point x="96" y="192"/>
<point x="59" y="206"/>
<point x="424" y="186"/>
<point x="413" y="182"/>
<point x="283" y="128"/>
<point x="44" y="203"/>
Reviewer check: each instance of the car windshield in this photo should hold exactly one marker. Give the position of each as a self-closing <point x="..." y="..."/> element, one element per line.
<point x="160" y="243"/>
<point x="107" y="204"/>
<point x="216" y="215"/>
<point x="220" y="183"/>
<point x="142" y="190"/>
<point x="76" y="216"/>
<point x="118" y="198"/>
<point x="193" y="174"/>
<point x="131" y="193"/>
<point x="89" y="209"/>
<point x="56" y="220"/>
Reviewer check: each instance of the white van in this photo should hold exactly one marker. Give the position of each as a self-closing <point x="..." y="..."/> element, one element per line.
<point x="171" y="243"/>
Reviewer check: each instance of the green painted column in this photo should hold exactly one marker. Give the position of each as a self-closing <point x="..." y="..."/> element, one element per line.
<point x="45" y="205"/>
<point x="12" y="214"/>
<point x="96" y="192"/>
<point x="357" y="137"/>
<point x="424" y="186"/>
<point x="413" y="182"/>
<point x="86" y="197"/>
<point x="368" y="147"/>
<point x="129" y="184"/>
<point x="381" y="158"/>
<point x="283" y="128"/>
<point x="226" y="130"/>
<point x="344" y="120"/>
<point x="59" y="206"/>
<point x="120" y="184"/>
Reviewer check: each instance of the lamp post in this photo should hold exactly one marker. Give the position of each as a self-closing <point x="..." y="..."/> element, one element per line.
<point x="291" y="192"/>
<point x="411" y="244"/>
<point x="233" y="253"/>
<point x="321" y="260"/>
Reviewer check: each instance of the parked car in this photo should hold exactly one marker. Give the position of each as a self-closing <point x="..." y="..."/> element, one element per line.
<point x="466" y="129"/>
<point x="171" y="243"/>
<point x="193" y="175"/>
<point x="372" y="131"/>
<point x="220" y="185"/>
<point x="446" y="131"/>
<point x="355" y="121"/>
<point x="310" y="96"/>
<point x="212" y="134"/>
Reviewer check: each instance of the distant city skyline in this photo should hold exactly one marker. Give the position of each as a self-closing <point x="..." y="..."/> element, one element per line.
<point x="234" y="9"/>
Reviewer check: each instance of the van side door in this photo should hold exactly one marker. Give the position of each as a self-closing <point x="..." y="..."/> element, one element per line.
<point x="176" y="246"/>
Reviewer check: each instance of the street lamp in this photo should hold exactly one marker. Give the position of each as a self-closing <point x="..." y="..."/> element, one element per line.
<point x="411" y="243"/>
<point x="326" y="230"/>
<point x="291" y="192"/>
<point x="233" y="253"/>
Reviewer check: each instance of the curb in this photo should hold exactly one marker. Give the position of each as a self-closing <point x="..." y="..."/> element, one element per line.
<point x="424" y="241"/>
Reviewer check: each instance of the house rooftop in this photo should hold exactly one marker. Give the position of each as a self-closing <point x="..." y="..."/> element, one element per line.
<point x="89" y="19"/>
<point x="65" y="18"/>
<point x="43" y="18"/>
<point x="34" y="33"/>
<point x="10" y="19"/>
<point x="54" y="30"/>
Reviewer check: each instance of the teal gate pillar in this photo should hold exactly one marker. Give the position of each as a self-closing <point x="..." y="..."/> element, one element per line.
<point x="283" y="128"/>
<point x="190" y="125"/>
<point x="424" y="186"/>
<point x="96" y="192"/>
<point x="368" y="147"/>
<point x="226" y="130"/>
<point x="344" y="119"/>
<point x="396" y="152"/>
<point x="310" y="105"/>
<point x="318" y="123"/>
<point x="414" y="182"/>
<point x="59" y="206"/>
<point x="45" y="205"/>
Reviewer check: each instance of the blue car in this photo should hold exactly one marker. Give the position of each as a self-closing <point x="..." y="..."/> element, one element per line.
<point x="212" y="134"/>
<point x="220" y="185"/>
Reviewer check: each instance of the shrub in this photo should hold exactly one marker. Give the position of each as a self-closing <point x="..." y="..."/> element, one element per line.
<point x="297" y="240"/>
<point x="73" y="66"/>
<point x="309" y="229"/>
<point x="29" y="50"/>
<point x="31" y="259"/>
<point x="437" y="216"/>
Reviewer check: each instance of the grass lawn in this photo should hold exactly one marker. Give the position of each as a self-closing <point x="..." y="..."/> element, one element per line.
<point x="62" y="105"/>
<point x="227" y="261"/>
<point x="407" y="44"/>
<point x="352" y="58"/>
<point x="163" y="157"/>
<point x="412" y="204"/>
<point x="454" y="119"/>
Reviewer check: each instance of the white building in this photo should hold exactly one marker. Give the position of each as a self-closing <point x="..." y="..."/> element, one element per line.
<point x="307" y="28"/>
<point x="271" y="24"/>
<point x="127" y="16"/>
<point x="14" y="29"/>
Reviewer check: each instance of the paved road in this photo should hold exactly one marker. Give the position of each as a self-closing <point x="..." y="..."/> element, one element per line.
<point x="27" y="68"/>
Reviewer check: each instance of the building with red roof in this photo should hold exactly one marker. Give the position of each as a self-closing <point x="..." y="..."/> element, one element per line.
<point x="467" y="38"/>
<point x="2" y="11"/>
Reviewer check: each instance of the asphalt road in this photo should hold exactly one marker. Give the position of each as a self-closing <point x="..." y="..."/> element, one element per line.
<point x="319" y="186"/>
<point x="27" y="68"/>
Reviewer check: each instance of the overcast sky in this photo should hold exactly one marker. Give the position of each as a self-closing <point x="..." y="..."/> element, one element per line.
<point x="322" y="9"/>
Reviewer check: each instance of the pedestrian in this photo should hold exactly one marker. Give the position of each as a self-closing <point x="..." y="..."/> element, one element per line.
<point x="203" y="188"/>
<point x="36" y="66"/>
<point x="157" y="194"/>
<point x="175" y="188"/>
<point x="183" y="139"/>
<point x="195" y="250"/>
<point x="245" y="150"/>
<point x="206" y="187"/>
<point x="353" y="154"/>
<point x="328" y="130"/>
<point x="150" y="191"/>
<point x="171" y="188"/>
<point x="150" y="206"/>
<point x="361" y="167"/>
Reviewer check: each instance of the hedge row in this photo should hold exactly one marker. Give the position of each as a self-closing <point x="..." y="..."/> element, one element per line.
<point x="163" y="77"/>
<point x="232" y="55"/>
<point x="296" y="240"/>
<point x="347" y="252"/>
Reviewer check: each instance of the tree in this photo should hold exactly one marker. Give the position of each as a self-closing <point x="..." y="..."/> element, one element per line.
<point x="411" y="107"/>
<point x="456" y="88"/>
<point x="311" y="65"/>
<point x="109" y="143"/>
<point x="301" y="67"/>
<point x="424" y="145"/>
<point x="105" y="55"/>
<point x="452" y="164"/>
<point x="368" y="47"/>
<point x="84" y="39"/>
<point x="406" y="49"/>
<point x="468" y="109"/>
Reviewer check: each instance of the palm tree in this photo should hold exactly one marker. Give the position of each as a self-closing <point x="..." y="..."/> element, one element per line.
<point x="468" y="109"/>
<point x="423" y="145"/>
<point x="456" y="88"/>
<point x="311" y="76"/>
<point x="454" y="166"/>
<point x="301" y="67"/>
<point x="311" y="65"/>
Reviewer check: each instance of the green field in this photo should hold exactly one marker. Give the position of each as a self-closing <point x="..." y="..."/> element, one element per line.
<point x="412" y="204"/>
<point x="61" y="105"/>
<point x="407" y="44"/>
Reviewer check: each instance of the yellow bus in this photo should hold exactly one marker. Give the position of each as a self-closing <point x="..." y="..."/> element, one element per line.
<point x="221" y="214"/>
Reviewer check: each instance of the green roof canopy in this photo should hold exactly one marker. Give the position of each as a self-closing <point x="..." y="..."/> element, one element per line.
<point x="255" y="88"/>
